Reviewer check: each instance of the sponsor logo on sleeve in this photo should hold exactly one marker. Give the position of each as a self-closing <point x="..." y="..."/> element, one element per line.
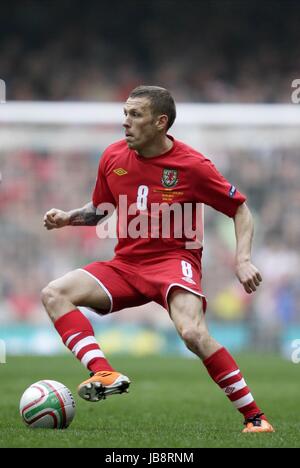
<point x="232" y="191"/>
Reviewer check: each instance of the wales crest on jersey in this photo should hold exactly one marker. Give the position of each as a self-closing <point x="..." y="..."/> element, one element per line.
<point x="169" y="178"/>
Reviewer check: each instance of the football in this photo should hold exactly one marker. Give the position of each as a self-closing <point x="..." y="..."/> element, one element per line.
<point x="47" y="404"/>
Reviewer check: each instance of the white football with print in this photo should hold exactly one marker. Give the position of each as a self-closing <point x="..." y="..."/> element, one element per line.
<point x="47" y="404"/>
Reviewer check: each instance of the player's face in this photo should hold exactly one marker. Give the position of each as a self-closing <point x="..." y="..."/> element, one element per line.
<point x="141" y="127"/>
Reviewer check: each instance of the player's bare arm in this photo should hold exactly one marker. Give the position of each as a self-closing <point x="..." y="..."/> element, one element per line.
<point x="246" y="272"/>
<point x="85" y="216"/>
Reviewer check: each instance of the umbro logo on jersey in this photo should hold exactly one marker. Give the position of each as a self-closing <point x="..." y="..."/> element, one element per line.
<point x="120" y="171"/>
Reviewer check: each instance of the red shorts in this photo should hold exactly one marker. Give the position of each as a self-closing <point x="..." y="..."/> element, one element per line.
<point x="134" y="283"/>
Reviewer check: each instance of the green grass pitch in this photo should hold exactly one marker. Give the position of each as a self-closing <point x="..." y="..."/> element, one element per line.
<point x="172" y="403"/>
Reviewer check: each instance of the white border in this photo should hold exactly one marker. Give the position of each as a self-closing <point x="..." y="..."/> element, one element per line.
<point x="94" y="113"/>
<point x="102" y="286"/>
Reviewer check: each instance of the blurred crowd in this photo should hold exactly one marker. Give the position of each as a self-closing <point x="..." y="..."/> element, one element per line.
<point x="35" y="181"/>
<point x="270" y="179"/>
<point x="203" y="51"/>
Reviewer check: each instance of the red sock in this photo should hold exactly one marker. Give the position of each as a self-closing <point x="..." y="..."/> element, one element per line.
<point x="224" y="371"/>
<point x="78" y="335"/>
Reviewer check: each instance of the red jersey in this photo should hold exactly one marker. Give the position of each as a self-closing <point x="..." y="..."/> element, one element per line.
<point x="181" y="178"/>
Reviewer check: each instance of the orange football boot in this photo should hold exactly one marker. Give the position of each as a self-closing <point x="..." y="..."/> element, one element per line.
<point x="103" y="384"/>
<point x="255" y="424"/>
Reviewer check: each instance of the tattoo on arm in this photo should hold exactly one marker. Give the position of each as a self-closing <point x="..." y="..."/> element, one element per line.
<point x="85" y="216"/>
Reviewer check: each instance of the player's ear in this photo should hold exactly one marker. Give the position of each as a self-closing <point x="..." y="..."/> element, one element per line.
<point x="162" y="122"/>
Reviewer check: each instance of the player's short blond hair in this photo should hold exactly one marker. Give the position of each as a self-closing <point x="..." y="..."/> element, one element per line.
<point x="162" y="102"/>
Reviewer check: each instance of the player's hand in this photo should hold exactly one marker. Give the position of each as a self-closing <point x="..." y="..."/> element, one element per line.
<point x="249" y="276"/>
<point x="55" y="219"/>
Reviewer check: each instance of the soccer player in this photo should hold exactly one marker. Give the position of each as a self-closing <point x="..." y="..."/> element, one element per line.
<point x="150" y="168"/>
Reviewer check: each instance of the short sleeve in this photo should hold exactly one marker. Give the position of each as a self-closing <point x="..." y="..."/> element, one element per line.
<point x="211" y="188"/>
<point x="102" y="193"/>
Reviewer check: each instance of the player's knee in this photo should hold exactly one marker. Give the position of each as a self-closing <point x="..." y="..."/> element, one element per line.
<point x="190" y="334"/>
<point x="195" y="338"/>
<point x="51" y="295"/>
